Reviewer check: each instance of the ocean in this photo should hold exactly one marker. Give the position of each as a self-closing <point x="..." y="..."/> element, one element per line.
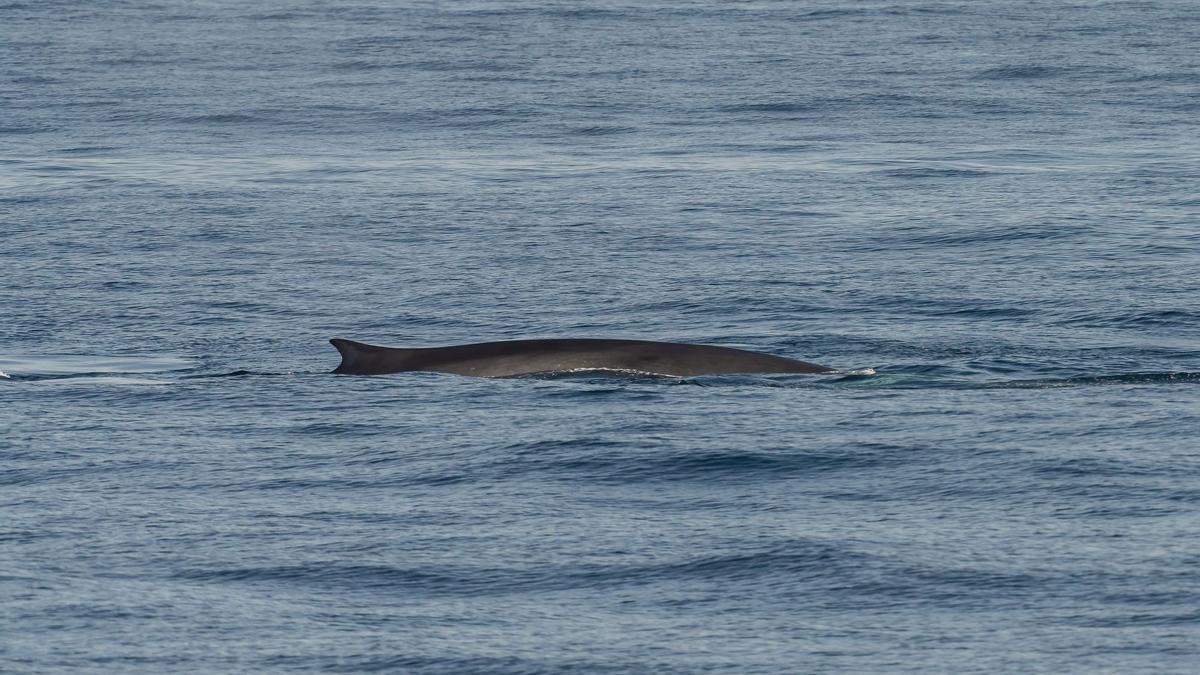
<point x="992" y="206"/>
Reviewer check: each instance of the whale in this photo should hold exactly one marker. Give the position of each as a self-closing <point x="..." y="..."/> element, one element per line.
<point x="512" y="358"/>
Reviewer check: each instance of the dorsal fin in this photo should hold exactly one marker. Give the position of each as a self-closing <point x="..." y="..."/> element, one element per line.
<point x="356" y="356"/>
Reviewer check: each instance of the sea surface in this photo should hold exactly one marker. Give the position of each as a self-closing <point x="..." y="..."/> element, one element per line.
<point x="993" y="205"/>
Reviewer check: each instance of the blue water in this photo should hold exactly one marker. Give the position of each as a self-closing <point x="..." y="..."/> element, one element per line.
<point x="993" y="205"/>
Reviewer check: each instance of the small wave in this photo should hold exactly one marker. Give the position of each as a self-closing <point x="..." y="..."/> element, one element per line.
<point x="279" y="16"/>
<point x="1173" y="77"/>
<point x="811" y="558"/>
<point x="1027" y="72"/>
<point x="834" y="13"/>
<point x="360" y="65"/>
<point x="358" y="575"/>
<point x="595" y="461"/>
<point x="1156" y="318"/>
<point x="915" y="172"/>
<point x="776" y="107"/>
<point x="222" y="118"/>
<point x="601" y="130"/>
<point x="343" y="429"/>
<point x="909" y="239"/>
<point x="1123" y="621"/>
<point x="88" y="150"/>
<point x="249" y="373"/>
<point x="1082" y="467"/>
<point x="920" y="380"/>
<point x="1100" y="380"/>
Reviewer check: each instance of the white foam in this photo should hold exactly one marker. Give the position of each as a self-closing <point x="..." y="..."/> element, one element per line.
<point x="116" y="380"/>
<point x="63" y="364"/>
<point x="622" y="371"/>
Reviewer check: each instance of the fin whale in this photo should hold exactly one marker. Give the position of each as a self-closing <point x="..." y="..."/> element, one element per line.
<point x="523" y="357"/>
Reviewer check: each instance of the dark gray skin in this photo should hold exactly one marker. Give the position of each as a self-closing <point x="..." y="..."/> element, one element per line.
<point x="523" y="357"/>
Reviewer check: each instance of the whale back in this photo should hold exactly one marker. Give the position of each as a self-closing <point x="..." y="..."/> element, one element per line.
<point x="521" y="357"/>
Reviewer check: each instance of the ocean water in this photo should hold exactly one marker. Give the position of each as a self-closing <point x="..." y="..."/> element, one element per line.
<point x="992" y="205"/>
